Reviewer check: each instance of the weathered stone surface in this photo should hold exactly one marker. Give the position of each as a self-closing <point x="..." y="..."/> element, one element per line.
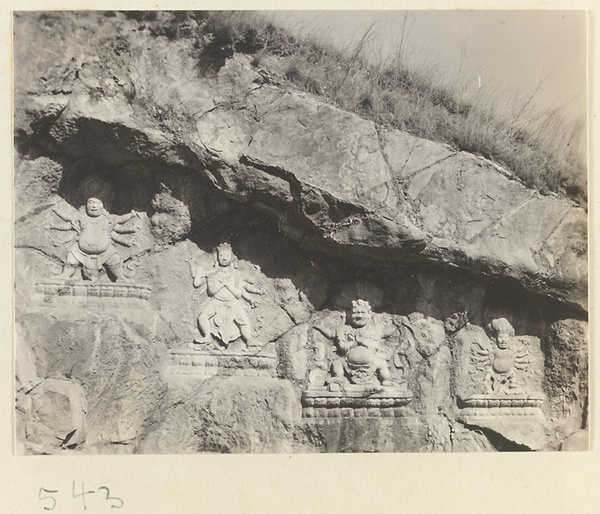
<point x="407" y="155"/>
<point x="365" y="435"/>
<point x="445" y="435"/>
<point x="293" y="355"/>
<point x="227" y="415"/>
<point x="565" y="252"/>
<point x="36" y="184"/>
<point x="296" y="137"/>
<point x="578" y="442"/>
<point x="51" y="412"/>
<point x="566" y="378"/>
<point x="51" y="416"/>
<point x="464" y="197"/>
<point x="104" y="353"/>
<point x="463" y="204"/>
<point x="321" y="207"/>
<point x="171" y="219"/>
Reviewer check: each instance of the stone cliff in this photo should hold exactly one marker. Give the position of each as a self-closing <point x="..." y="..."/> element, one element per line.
<point x="320" y="206"/>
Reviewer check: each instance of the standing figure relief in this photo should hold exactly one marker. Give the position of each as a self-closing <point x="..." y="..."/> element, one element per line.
<point x="225" y="317"/>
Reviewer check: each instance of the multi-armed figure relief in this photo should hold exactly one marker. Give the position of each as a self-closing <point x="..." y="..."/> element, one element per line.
<point x="352" y="374"/>
<point x="499" y="374"/>
<point x="357" y="343"/>
<point x="502" y="364"/>
<point x="94" y="253"/>
<point x="225" y="317"/>
<point x="93" y="250"/>
<point x="226" y="344"/>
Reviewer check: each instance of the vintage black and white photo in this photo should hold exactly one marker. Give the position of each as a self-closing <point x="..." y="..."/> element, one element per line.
<point x="300" y="232"/>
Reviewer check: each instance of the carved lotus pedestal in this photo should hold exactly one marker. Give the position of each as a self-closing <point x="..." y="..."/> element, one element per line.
<point x="85" y="292"/>
<point x="355" y="401"/>
<point x="485" y="406"/>
<point x="203" y="361"/>
<point x="362" y="418"/>
<point x="518" y="418"/>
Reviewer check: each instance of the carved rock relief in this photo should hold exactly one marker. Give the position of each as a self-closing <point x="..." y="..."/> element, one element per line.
<point x="499" y="381"/>
<point x="226" y="342"/>
<point x="358" y="366"/>
<point x="93" y="270"/>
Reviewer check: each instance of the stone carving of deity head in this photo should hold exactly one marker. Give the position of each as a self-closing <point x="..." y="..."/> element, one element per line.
<point x="359" y="313"/>
<point x="501" y="331"/>
<point x="224" y="255"/>
<point x="94" y="207"/>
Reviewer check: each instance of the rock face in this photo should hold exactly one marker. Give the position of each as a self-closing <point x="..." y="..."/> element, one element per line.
<point x="320" y="206"/>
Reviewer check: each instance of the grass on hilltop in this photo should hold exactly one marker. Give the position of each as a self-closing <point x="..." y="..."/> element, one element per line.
<point x="544" y="149"/>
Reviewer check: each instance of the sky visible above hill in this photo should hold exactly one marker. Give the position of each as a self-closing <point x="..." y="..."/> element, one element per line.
<point x="515" y="54"/>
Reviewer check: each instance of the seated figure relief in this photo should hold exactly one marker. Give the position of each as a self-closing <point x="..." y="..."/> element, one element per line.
<point x="93" y="250"/>
<point x="224" y="318"/>
<point x="361" y="372"/>
<point x="499" y="381"/>
<point x="357" y="343"/>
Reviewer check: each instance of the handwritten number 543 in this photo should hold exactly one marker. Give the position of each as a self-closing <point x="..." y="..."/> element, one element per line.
<point x="50" y="502"/>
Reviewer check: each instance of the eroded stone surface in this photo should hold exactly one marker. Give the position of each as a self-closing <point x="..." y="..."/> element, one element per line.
<point x="226" y="415"/>
<point x="297" y="140"/>
<point x="295" y="137"/>
<point x="566" y="378"/>
<point x="322" y="208"/>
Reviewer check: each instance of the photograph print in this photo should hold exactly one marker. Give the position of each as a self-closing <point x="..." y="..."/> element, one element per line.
<point x="300" y="231"/>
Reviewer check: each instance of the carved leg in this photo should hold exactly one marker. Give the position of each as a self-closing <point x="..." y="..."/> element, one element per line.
<point x="383" y="374"/>
<point x="246" y="333"/>
<point x="204" y="327"/>
<point x="513" y="386"/>
<point x="89" y="274"/>
<point x="337" y="380"/>
<point x="489" y="383"/>
<point x="114" y="268"/>
<point x="69" y="268"/>
<point x="67" y="272"/>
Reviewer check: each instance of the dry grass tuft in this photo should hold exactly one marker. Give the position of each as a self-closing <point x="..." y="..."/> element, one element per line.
<point x="545" y="149"/>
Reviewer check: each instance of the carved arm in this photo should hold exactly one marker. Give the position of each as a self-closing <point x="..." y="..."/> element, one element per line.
<point x="64" y="217"/>
<point x="124" y="230"/>
<point x="344" y="345"/>
<point x="121" y="240"/>
<point x="66" y="222"/>
<point x="251" y="288"/>
<point x="247" y="289"/>
<point x="214" y="285"/>
<point x="126" y="217"/>
<point x="236" y="291"/>
<point x="327" y="332"/>
<point x="198" y="275"/>
<point x="64" y="225"/>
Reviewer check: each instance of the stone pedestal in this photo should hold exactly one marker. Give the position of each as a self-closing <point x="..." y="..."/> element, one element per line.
<point x="82" y="292"/>
<point x="202" y="363"/>
<point x="355" y="402"/>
